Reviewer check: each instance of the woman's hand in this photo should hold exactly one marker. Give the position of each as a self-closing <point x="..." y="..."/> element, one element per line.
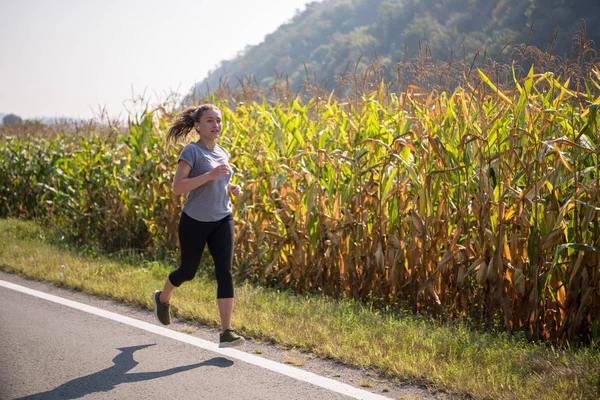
<point x="235" y="190"/>
<point x="219" y="171"/>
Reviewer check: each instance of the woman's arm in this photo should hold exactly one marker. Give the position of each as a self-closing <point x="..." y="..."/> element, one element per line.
<point x="183" y="184"/>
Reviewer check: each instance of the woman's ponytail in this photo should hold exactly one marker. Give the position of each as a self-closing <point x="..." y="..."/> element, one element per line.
<point x="184" y="122"/>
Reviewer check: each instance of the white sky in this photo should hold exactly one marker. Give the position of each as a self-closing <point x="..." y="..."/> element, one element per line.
<point x="67" y="58"/>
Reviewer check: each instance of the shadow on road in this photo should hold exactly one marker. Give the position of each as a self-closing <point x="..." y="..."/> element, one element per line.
<point x="107" y="379"/>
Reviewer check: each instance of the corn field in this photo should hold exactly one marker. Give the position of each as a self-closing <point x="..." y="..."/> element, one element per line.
<point x="477" y="202"/>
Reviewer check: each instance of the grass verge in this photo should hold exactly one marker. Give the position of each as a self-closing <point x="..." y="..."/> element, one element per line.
<point x="410" y="349"/>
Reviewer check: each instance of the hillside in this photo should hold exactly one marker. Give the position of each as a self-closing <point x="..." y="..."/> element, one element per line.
<point x="330" y="36"/>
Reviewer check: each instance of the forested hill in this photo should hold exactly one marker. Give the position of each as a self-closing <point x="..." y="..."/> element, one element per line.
<point x="328" y="35"/>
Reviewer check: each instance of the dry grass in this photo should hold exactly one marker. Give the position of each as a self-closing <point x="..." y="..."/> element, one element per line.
<point x="297" y="361"/>
<point x="188" y="329"/>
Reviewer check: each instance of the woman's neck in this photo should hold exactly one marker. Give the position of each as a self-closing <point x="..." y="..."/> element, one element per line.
<point x="208" y="144"/>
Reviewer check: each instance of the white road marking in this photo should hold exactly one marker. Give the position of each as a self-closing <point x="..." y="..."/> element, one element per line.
<point x="283" y="369"/>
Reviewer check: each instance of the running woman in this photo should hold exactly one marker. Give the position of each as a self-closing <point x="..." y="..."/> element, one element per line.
<point x="203" y="173"/>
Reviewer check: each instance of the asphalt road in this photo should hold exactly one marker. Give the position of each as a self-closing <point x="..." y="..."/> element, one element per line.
<point x="53" y="351"/>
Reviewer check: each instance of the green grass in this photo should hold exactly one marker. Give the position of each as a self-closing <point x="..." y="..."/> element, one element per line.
<point x="410" y="349"/>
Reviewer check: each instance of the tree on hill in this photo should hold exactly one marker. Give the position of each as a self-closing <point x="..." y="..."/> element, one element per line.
<point x="11" y="119"/>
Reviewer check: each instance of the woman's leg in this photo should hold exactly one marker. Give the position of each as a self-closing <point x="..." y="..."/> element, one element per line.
<point x="165" y="294"/>
<point x="225" y="311"/>
<point x="220" y="244"/>
<point x="192" y="240"/>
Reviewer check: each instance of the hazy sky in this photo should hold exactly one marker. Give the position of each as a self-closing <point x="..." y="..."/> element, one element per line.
<point x="65" y="58"/>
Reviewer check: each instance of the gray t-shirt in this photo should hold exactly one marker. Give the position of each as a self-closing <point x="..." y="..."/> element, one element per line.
<point x="208" y="202"/>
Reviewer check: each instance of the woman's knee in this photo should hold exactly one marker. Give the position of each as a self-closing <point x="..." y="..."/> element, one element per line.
<point x="224" y="284"/>
<point x="179" y="276"/>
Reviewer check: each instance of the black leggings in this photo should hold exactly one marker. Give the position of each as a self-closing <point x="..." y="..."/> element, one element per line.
<point x="193" y="236"/>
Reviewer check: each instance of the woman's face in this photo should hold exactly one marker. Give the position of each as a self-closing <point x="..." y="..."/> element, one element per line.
<point x="209" y="126"/>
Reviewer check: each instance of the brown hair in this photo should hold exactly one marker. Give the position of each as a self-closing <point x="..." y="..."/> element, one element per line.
<point x="184" y="121"/>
